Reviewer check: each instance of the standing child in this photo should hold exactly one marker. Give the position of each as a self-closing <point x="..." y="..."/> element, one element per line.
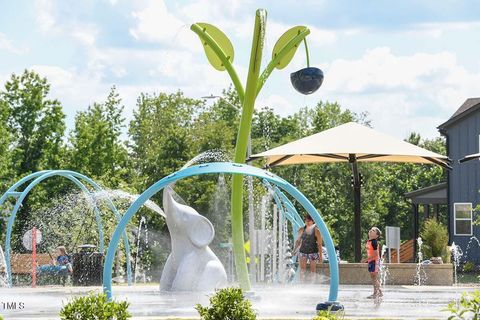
<point x="373" y="260"/>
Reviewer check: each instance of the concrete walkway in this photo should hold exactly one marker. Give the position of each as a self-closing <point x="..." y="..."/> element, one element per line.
<point x="277" y="302"/>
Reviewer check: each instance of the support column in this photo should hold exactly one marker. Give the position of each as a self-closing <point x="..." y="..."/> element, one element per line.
<point x="426" y="211"/>
<point x="415" y="229"/>
<point x="436" y="209"/>
<point x="357" y="208"/>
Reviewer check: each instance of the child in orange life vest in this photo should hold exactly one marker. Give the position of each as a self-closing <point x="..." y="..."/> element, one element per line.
<point x="373" y="260"/>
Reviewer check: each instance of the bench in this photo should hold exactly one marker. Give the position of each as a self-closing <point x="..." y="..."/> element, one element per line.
<point x="21" y="265"/>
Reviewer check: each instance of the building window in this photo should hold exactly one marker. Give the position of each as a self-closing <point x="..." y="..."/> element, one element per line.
<point x="462" y="214"/>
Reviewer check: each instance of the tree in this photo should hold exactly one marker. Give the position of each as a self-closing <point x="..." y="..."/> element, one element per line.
<point x="160" y="135"/>
<point x="5" y="138"/>
<point x="6" y="171"/>
<point x="161" y="143"/>
<point x="36" y="123"/>
<point x="222" y="117"/>
<point x="327" y="115"/>
<point x="36" y="126"/>
<point x="96" y="146"/>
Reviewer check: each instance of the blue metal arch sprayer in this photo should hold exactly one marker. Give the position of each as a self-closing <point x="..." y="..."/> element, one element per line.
<point x="221" y="167"/>
<point x="79" y="180"/>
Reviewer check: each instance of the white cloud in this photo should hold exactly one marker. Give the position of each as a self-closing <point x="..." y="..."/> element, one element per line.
<point x="401" y="93"/>
<point x="279" y="103"/>
<point x="351" y="32"/>
<point x="396" y="114"/>
<point x="76" y="90"/>
<point x="7" y="45"/>
<point x="155" y="23"/>
<point x="158" y="71"/>
<point x="395" y="89"/>
<point x="51" y="22"/>
<point x="438" y="29"/>
<point x="45" y="14"/>
<point x="85" y="34"/>
<point x="321" y="37"/>
<point x="56" y="76"/>
<point x="224" y="13"/>
<point x="317" y="37"/>
<point x="174" y="67"/>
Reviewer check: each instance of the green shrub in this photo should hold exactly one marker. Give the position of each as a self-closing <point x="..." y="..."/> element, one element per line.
<point x="469" y="267"/>
<point x="467" y="308"/>
<point x="227" y="304"/>
<point x="328" y="315"/>
<point x="325" y="315"/>
<point x="95" y="306"/>
<point x="435" y="239"/>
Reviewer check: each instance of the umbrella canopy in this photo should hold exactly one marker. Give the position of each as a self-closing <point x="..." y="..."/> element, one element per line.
<point x="339" y="143"/>
<point x="354" y="143"/>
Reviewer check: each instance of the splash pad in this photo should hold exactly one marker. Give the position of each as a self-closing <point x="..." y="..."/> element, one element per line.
<point x="230" y="168"/>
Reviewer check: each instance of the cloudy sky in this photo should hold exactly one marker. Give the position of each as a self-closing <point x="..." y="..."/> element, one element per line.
<point x="410" y="64"/>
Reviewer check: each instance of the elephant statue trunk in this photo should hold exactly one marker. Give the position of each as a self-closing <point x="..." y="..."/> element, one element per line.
<point x="191" y="265"/>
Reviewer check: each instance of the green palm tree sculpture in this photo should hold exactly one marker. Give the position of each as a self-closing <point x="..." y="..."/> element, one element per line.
<point x="220" y="53"/>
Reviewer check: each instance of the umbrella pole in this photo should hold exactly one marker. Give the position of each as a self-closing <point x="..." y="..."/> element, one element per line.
<point x="357" y="207"/>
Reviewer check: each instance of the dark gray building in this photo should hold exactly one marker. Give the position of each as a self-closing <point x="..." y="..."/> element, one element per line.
<point x="462" y="133"/>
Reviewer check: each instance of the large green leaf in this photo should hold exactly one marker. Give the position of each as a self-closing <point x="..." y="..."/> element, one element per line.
<point x="222" y="41"/>
<point x="282" y="42"/>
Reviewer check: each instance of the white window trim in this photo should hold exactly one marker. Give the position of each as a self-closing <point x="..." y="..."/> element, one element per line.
<point x="455" y="219"/>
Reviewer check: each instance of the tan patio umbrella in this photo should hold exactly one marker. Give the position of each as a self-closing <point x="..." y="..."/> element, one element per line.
<point x="350" y="142"/>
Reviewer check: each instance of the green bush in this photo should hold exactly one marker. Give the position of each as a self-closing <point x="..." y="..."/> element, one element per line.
<point x="95" y="306"/>
<point x="327" y="315"/>
<point x="469" y="266"/>
<point x="435" y="239"/>
<point x="467" y="308"/>
<point x="227" y="304"/>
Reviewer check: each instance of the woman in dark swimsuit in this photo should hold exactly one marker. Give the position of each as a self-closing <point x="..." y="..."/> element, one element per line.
<point x="309" y="246"/>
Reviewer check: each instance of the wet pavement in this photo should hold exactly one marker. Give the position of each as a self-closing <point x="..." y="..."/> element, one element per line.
<point x="270" y="302"/>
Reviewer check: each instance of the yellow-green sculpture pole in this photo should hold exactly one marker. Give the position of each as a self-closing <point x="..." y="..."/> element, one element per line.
<point x="220" y="54"/>
<point x="241" y="148"/>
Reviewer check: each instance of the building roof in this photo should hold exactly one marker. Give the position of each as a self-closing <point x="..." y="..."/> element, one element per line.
<point x="436" y="194"/>
<point x="470" y="105"/>
<point x="469" y="157"/>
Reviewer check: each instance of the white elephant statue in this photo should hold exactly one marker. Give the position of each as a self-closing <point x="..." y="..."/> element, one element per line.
<point x="192" y="265"/>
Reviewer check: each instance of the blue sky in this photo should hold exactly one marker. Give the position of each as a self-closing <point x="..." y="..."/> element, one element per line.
<point x="410" y="64"/>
